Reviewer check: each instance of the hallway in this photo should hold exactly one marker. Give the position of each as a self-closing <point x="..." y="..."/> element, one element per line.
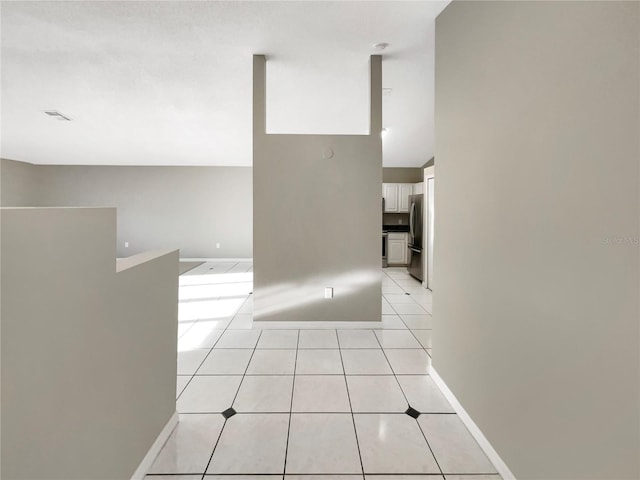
<point x="305" y="401"/>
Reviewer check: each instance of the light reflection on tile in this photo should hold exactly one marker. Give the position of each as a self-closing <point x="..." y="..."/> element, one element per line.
<point x="278" y="339"/>
<point x="320" y="393"/>
<point x="318" y="339"/>
<point x="190" y="445"/>
<point x="238" y="339"/>
<point x="365" y="362"/>
<point x="181" y="382"/>
<point x="272" y="362"/>
<point x="208" y="394"/>
<point x="357" y="339"/>
<point x="190" y="360"/>
<point x="393" y="444"/>
<point x="453" y="446"/>
<point x="264" y="394"/>
<point x="408" y="361"/>
<point x="319" y="362"/>
<point x="397" y="339"/>
<point x="423" y="394"/>
<point x="322" y="443"/>
<point x="251" y="443"/>
<point x="226" y="361"/>
<point x="376" y="393"/>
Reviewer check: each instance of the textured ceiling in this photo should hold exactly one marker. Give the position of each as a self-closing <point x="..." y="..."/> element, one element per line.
<point x="169" y="83"/>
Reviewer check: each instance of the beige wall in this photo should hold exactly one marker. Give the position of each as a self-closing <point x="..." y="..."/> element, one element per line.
<point x="316" y="220"/>
<point x="18" y="184"/>
<point x="536" y="253"/>
<point x="401" y="175"/>
<point x="88" y="352"/>
<point x="190" y="208"/>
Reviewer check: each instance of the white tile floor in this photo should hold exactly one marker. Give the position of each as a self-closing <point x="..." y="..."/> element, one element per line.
<point x="321" y="401"/>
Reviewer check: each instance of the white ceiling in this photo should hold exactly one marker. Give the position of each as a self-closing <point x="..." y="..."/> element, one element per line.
<point x="169" y="83"/>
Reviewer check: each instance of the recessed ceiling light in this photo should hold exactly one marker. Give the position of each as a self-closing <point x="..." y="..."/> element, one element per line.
<point x="378" y="47"/>
<point x="57" y="115"/>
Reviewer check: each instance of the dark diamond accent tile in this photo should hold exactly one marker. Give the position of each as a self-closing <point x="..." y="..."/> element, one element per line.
<point x="228" y="413"/>
<point x="412" y="412"/>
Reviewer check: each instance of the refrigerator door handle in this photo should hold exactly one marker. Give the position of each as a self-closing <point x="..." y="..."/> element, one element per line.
<point x="414" y="250"/>
<point x="411" y="220"/>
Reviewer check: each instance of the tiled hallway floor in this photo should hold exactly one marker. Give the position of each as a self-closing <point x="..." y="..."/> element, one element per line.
<point x="305" y="401"/>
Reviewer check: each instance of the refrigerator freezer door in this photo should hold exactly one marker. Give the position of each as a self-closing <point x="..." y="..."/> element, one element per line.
<point x="414" y="266"/>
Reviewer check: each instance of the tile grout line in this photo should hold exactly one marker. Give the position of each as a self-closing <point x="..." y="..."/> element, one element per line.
<point x="392" y="370"/>
<point x="414" y="335"/>
<point x="234" y="398"/>
<point x="339" y="412"/>
<point x="422" y="347"/>
<point x="246" y="369"/>
<point x="193" y="375"/>
<point x="353" y="419"/>
<point x="429" y="446"/>
<point x="225" y="420"/>
<point x="415" y="419"/>
<point x="293" y="386"/>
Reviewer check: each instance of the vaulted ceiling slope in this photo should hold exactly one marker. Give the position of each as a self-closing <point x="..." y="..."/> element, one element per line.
<point x="169" y="83"/>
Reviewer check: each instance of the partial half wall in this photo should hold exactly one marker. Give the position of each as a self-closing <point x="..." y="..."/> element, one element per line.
<point x="88" y="375"/>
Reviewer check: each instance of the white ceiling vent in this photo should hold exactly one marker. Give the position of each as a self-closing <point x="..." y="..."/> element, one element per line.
<point x="58" y="115"/>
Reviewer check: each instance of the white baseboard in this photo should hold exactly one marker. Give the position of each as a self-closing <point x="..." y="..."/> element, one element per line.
<point x="475" y="431"/>
<point x="151" y="455"/>
<point x="216" y="259"/>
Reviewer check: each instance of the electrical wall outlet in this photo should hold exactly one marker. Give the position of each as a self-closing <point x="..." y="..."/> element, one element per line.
<point x="126" y="244"/>
<point x="217" y="245"/>
<point x="328" y="292"/>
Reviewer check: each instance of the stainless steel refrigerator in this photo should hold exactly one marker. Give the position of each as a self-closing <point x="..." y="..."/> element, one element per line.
<point x="415" y="263"/>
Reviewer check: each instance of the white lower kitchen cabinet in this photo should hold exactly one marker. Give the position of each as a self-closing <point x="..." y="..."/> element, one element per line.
<point x="397" y="248"/>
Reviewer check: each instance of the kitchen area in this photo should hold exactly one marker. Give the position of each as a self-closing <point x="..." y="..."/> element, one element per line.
<point x="407" y="221"/>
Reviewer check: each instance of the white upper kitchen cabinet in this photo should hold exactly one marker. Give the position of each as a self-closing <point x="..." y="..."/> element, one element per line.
<point x="396" y="197"/>
<point x="418" y="188"/>
<point x="390" y="195"/>
<point x="404" y="191"/>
